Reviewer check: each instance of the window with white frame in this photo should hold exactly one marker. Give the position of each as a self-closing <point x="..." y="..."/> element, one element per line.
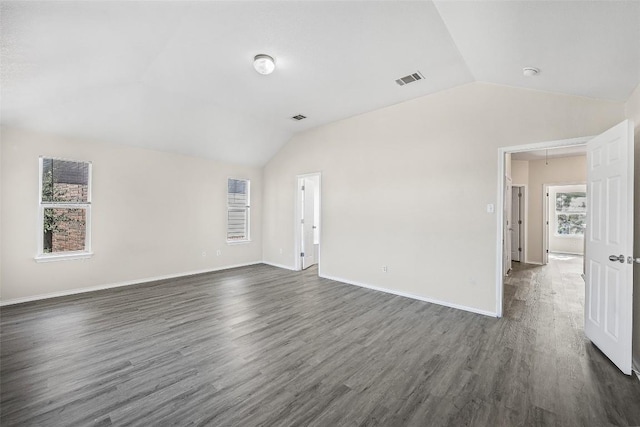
<point x="571" y="213"/>
<point x="64" y="208"/>
<point x="238" y="209"/>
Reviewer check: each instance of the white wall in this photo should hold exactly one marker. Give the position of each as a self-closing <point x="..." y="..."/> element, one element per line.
<point x="407" y="186"/>
<point x="573" y="244"/>
<point x="153" y="214"/>
<point x="520" y="172"/>
<point x="632" y="111"/>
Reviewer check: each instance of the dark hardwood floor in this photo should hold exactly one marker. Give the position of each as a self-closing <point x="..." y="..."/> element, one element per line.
<point x="261" y="346"/>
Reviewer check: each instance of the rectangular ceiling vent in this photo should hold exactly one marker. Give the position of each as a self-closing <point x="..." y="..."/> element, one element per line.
<point x="410" y="78"/>
<point x="299" y="117"/>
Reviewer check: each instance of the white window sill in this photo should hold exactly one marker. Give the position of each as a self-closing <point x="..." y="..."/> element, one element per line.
<point x="238" y="242"/>
<point x="63" y="257"/>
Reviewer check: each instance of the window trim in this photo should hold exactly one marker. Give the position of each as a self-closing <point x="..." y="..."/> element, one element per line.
<point x="41" y="256"/>
<point x="247" y="208"/>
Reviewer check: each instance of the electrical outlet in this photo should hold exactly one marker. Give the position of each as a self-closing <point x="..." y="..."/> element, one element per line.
<point x="384" y="269"/>
<point x="218" y="252"/>
<point x="204" y="254"/>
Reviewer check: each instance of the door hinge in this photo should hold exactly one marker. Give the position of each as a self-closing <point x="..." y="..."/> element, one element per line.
<point x="547" y="250"/>
<point x="302" y="221"/>
<point x="519" y="221"/>
<point x="303" y="189"/>
<point x="519" y="249"/>
<point x="519" y="194"/>
<point x="302" y="254"/>
<point x="547" y="194"/>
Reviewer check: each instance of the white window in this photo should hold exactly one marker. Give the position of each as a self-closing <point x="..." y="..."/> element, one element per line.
<point x="571" y="213"/>
<point x="64" y="209"/>
<point x="238" y="208"/>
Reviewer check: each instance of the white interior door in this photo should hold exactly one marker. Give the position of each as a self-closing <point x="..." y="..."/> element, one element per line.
<point x="506" y="247"/>
<point x="308" y="212"/>
<point x="545" y="236"/>
<point x="609" y="244"/>
<point x="516" y="223"/>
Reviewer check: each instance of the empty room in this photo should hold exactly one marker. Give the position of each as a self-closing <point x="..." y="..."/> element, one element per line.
<point x="319" y="213"/>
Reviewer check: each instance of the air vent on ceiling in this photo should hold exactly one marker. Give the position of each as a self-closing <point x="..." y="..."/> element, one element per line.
<point x="410" y="78"/>
<point x="299" y="117"/>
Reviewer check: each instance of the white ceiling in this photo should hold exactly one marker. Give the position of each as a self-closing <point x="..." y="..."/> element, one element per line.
<point x="177" y="75"/>
<point x="552" y="153"/>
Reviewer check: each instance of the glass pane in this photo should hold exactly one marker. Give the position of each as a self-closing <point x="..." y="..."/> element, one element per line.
<point x="237" y="193"/>
<point x="64" y="230"/>
<point x="571" y="224"/>
<point x="65" y="181"/>
<point x="571" y="202"/>
<point x="237" y="224"/>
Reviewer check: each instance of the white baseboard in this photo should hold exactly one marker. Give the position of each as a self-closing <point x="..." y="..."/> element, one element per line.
<point x="533" y="262"/>
<point x="191" y="273"/>
<point x="273" y="264"/>
<point x="119" y="284"/>
<point x="412" y="296"/>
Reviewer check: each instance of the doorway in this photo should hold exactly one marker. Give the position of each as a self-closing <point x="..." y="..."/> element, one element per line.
<point x="608" y="278"/>
<point x="534" y="206"/>
<point x="566" y="219"/>
<point x="308" y="220"/>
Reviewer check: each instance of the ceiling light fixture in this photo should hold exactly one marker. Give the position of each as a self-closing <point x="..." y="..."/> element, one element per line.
<point x="530" y="71"/>
<point x="264" y="64"/>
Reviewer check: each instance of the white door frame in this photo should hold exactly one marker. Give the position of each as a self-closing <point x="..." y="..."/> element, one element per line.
<point x="297" y="230"/>
<point x="500" y="214"/>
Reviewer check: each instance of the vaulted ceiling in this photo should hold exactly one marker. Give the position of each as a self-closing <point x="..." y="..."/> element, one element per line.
<point x="178" y="76"/>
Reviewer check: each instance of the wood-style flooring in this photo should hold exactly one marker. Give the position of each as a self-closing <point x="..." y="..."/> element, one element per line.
<point x="262" y="346"/>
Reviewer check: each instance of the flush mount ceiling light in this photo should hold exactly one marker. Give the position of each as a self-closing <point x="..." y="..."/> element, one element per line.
<point x="530" y="71"/>
<point x="264" y="64"/>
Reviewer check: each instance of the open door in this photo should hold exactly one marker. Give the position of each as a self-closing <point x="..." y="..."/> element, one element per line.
<point x="308" y="223"/>
<point x="516" y="223"/>
<point x="609" y="244"/>
<point x="508" y="227"/>
<point x="545" y="236"/>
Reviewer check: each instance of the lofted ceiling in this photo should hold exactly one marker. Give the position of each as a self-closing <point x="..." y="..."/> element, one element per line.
<point x="177" y="75"/>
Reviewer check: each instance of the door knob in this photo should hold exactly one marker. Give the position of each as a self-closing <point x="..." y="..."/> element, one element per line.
<point x="616" y="258"/>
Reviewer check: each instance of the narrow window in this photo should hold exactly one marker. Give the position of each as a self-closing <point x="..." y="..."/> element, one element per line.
<point x="571" y="212"/>
<point x="64" y="209"/>
<point x="238" y="206"/>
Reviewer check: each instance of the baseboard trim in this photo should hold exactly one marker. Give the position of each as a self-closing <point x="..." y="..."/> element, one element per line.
<point x="119" y="284"/>
<point x="533" y="262"/>
<point x="273" y="264"/>
<point x="412" y="296"/>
